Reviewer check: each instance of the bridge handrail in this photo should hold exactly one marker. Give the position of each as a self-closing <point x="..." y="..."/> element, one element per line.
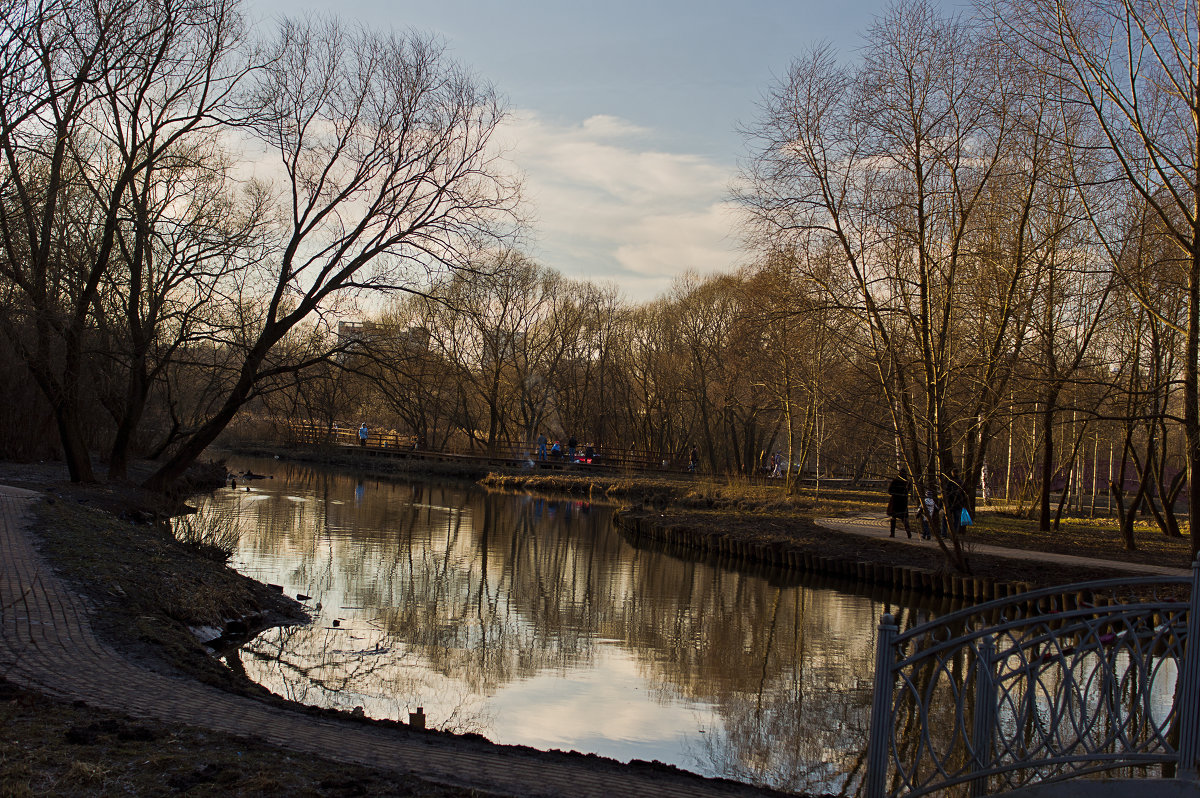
<point x="1044" y="685"/>
<point x="1047" y="595"/>
<point x="346" y="434"/>
<point x="1060" y="620"/>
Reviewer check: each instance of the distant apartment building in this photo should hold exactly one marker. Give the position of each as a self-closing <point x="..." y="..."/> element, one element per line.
<point x="353" y="334"/>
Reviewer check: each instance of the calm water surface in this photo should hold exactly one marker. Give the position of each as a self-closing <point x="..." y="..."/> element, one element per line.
<point x="531" y="621"/>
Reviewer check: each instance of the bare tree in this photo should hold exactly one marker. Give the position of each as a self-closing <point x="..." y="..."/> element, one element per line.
<point x="649" y="380"/>
<point x="182" y="243"/>
<point x="387" y="177"/>
<point x="1134" y="65"/>
<point x="584" y="380"/>
<point x="880" y="178"/>
<point x="489" y="332"/>
<point x="92" y="98"/>
<point x="412" y="376"/>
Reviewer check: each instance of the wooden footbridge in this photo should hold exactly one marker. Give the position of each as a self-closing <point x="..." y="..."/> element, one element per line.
<point x="602" y="460"/>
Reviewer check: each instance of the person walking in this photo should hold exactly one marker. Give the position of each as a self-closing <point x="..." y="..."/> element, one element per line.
<point x="541" y="443"/>
<point x="956" y="502"/>
<point x="932" y="518"/>
<point x="363" y="432"/>
<point x="572" y="444"/>
<point x="693" y="459"/>
<point x="897" y="506"/>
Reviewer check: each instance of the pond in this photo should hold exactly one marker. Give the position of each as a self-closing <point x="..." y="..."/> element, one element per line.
<point x="532" y="621"/>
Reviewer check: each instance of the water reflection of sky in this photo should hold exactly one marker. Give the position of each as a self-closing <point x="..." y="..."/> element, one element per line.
<point x="532" y="622"/>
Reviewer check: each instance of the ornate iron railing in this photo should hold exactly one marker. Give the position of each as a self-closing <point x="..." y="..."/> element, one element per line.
<point x="1041" y="686"/>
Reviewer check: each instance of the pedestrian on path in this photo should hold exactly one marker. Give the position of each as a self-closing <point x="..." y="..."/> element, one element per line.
<point x="956" y="501"/>
<point x="897" y="506"/>
<point x="932" y="517"/>
<point x="363" y="432"/>
<point x="541" y="444"/>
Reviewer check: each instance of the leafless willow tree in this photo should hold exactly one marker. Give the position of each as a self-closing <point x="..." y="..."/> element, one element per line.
<point x="385" y="177"/>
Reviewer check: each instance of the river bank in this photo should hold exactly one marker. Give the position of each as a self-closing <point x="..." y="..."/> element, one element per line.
<point x="149" y="596"/>
<point x="758" y="524"/>
<point x="57" y="747"/>
<point x="149" y="592"/>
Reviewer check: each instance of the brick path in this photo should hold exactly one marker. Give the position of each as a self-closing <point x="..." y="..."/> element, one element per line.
<point x="876" y="526"/>
<point x="46" y="643"/>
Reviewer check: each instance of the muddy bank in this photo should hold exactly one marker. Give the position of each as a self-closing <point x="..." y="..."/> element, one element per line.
<point x="157" y="598"/>
<point x="799" y="545"/>
<point x="58" y="747"/>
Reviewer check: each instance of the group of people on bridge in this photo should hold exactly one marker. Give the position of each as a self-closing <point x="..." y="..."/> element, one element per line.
<point x="547" y="450"/>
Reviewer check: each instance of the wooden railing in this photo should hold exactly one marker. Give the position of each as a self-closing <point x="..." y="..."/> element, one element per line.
<point x="347" y="435"/>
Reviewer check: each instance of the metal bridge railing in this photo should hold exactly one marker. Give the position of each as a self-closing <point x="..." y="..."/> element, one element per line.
<point x="1041" y="686"/>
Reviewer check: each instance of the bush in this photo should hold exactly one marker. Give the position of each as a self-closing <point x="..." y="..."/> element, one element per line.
<point x="213" y="532"/>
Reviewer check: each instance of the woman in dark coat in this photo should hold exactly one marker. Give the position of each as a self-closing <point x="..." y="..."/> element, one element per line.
<point x="897" y="507"/>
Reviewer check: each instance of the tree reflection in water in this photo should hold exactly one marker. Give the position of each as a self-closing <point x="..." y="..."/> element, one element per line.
<point x="530" y="620"/>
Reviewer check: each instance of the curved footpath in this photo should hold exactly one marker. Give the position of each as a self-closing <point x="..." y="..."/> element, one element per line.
<point x="47" y="644"/>
<point x="876" y="526"/>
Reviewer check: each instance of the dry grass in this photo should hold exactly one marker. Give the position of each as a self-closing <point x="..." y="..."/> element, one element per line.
<point x="726" y="503"/>
<point x="212" y="531"/>
<point x="1084" y="537"/>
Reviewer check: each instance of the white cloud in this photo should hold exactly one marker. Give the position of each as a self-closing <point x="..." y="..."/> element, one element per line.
<point x="610" y="207"/>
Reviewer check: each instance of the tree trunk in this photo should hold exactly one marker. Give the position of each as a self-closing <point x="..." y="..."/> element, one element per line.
<point x="135" y="403"/>
<point x="1047" y="461"/>
<point x="75" y="451"/>
<point x="1191" y="397"/>
<point x="1125" y="518"/>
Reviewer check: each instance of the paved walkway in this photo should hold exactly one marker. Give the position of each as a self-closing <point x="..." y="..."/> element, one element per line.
<point x="875" y="525"/>
<point x="47" y="643"/>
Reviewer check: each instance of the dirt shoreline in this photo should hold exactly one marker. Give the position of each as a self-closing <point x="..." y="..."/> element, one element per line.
<point x="149" y="590"/>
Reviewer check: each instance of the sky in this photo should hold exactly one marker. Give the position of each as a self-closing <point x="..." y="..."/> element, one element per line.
<point x="624" y="115"/>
